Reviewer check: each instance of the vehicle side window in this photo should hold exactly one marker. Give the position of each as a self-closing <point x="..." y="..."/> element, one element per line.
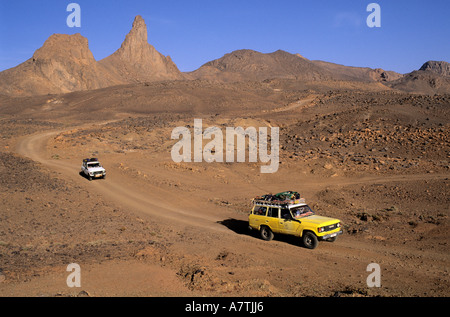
<point x="285" y="214"/>
<point x="273" y="212"/>
<point x="260" y="210"/>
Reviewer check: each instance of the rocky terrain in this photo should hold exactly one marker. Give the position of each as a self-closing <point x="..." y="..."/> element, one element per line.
<point x="376" y="160"/>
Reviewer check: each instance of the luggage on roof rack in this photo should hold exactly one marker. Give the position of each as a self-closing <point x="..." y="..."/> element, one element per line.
<point x="94" y="159"/>
<point x="280" y="199"/>
<point x="288" y="195"/>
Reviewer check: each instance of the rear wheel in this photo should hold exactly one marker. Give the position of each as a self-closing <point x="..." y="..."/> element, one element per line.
<point x="310" y="240"/>
<point x="266" y="233"/>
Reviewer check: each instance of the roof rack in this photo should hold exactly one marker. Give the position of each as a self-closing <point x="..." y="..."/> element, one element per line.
<point x="277" y="203"/>
<point x="90" y="160"/>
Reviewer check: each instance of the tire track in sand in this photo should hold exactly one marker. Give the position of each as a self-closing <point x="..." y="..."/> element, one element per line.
<point x="34" y="147"/>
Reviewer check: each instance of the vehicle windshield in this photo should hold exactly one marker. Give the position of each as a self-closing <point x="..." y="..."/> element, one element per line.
<point x="94" y="165"/>
<point x="302" y="211"/>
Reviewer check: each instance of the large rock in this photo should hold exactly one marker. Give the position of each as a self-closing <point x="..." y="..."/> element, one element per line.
<point x="138" y="61"/>
<point x="63" y="64"/>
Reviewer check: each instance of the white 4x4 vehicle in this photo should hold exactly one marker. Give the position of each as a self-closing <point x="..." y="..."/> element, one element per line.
<point x="92" y="169"/>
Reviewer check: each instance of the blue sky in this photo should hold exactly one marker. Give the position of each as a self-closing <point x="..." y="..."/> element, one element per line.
<point x="194" y="32"/>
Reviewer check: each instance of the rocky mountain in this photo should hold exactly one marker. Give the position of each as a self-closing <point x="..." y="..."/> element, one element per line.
<point x="63" y="64"/>
<point x="342" y="72"/>
<point x="138" y="61"/>
<point x="441" y="68"/>
<point x="256" y="66"/>
<point x="432" y="78"/>
<point x="252" y="65"/>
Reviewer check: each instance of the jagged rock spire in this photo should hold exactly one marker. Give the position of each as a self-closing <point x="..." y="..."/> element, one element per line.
<point x="136" y="60"/>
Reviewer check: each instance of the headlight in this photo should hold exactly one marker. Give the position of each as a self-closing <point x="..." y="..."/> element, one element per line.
<point x="338" y="225"/>
<point x="321" y="229"/>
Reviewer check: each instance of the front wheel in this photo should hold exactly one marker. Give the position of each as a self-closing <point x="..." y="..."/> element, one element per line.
<point x="266" y="233"/>
<point x="310" y="240"/>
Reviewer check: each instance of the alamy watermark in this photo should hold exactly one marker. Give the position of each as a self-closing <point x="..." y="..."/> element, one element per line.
<point x="213" y="151"/>
<point x="374" y="278"/>
<point x="74" y="19"/>
<point x="74" y="278"/>
<point x="374" y="18"/>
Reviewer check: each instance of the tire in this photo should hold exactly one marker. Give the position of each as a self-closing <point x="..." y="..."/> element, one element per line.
<point x="266" y="233"/>
<point x="89" y="177"/>
<point x="310" y="240"/>
<point x="331" y="239"/>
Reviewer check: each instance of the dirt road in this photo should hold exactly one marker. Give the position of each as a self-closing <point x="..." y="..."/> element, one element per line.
<point x="209" y="241"/>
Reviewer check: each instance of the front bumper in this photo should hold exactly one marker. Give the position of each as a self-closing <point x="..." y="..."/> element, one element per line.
<point x="331" y="235"/>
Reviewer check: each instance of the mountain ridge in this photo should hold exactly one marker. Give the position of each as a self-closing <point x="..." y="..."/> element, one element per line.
<point x="65" y="64"/>
<point x="252" y="65"/>
<point x="438" y="67"/>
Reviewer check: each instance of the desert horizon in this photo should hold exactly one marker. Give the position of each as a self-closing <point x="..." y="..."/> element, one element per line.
<point x="137" y="61"/>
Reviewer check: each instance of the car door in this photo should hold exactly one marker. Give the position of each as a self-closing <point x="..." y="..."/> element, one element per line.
<point x="273" y="214"/>
<point x="286" y="223"/>
<point x="257" y="217"/>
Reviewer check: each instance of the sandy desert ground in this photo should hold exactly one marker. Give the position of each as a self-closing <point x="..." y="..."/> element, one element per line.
<point x="375" y="158"/>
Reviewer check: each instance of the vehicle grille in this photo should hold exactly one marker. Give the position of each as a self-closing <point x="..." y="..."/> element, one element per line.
<point x="330" y="227"/>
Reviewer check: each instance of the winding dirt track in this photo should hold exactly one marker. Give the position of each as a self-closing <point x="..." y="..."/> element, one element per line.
<point x="114" y="189"/>
<point x="328" y="267"/>
<point x="149" y="202"/>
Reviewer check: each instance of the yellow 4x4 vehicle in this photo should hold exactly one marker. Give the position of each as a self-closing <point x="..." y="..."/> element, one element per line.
<point x="292" y="217"/>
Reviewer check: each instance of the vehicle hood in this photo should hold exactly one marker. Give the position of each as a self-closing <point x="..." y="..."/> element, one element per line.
<point x="96" y="169"/>
<point x="319" y="220"/>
